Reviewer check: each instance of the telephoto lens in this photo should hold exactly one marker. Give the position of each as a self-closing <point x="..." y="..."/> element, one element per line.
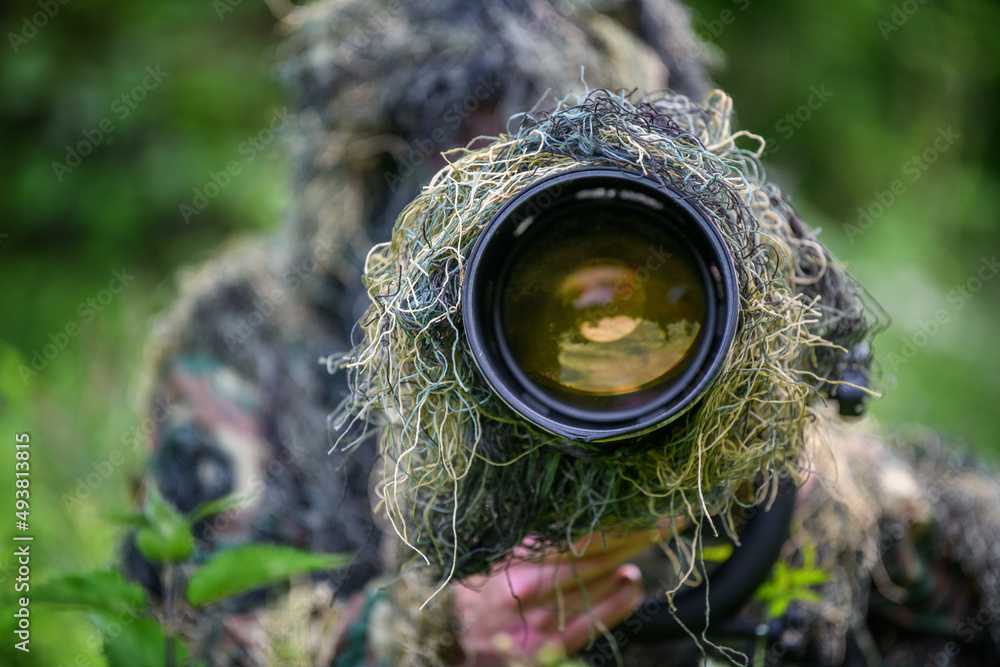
<point x="599" y="304"/>
<point x="603" y="317"/>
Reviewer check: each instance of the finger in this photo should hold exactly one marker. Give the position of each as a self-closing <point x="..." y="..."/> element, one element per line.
<point x="607" y="612"/>
<point x="597" y="542"/>
<point x="563" y="572"/>
<point x="548" y="614"/>
<point x="550" y="624"/>
<point x="579" y="599"/>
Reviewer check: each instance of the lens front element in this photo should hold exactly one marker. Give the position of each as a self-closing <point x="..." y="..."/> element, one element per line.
<point x="599" y="305"/>
<point x="603" y="302"/>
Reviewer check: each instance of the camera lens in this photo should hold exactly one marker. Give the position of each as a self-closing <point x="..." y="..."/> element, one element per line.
<point x="599" y="305"/>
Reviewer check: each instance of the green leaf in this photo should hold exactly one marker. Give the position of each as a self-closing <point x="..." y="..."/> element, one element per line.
<point x="235" y="571"/>
<point x="717" y="553"/>
<point x="777" y="608"/>
<point x="124" y="518"/>
<point x="165" y="537"/>
<point x="808" y="595"/>
<point x="787" y="584"/>
<point x="767" y="591"/>
<point x="99" y="591"/>
<point x="134" y="640"/>
<point x="217" y="506"/>
<point x="809" y="577"/>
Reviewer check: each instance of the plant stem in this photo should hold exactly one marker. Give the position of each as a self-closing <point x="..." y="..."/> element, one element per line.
<point x="169" y="576"/>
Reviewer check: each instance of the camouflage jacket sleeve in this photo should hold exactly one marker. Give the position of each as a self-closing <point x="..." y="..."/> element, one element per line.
<point x="237" y="406"/>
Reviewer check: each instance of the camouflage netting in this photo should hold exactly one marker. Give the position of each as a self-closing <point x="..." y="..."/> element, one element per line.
<point x="466" y="480"/>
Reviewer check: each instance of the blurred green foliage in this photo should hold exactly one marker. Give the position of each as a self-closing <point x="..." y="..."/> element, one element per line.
<point x="886" y="94"/>
<point x="63" y="75"/>
<point x="894" y="76"/>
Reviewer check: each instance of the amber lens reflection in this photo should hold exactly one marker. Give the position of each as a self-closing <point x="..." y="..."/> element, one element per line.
<point x="603" y="303"/>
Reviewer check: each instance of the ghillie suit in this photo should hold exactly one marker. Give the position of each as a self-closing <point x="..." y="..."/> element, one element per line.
<point x="241" y="403"/>
<point x="466" y="480"/>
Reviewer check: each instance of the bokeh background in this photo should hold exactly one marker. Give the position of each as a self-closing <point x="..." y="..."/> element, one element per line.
<point x="852" y="97"/>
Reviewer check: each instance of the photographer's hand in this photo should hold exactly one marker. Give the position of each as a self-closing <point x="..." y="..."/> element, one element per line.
<point x="537" y="611"/>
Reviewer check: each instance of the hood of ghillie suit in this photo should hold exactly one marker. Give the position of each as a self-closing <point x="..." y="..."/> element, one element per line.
<point x="466" y="479"/>
<point x="383" y="86"/>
